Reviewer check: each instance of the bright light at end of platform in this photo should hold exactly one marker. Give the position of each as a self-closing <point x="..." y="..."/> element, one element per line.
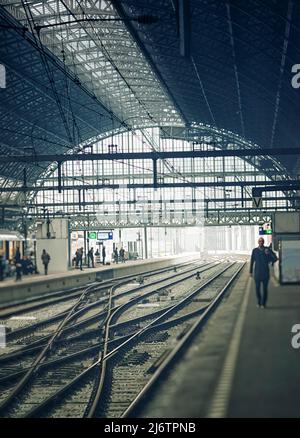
<point x="23" y="318"/>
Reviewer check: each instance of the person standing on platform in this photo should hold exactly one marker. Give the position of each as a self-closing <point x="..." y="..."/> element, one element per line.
<point x="122" y="255"/>
<point x="103" y="255"/>
<point x="260" y="259"/>
<point x="80" y="257"/>
<point x="18" y="265"/>
<point x="116" y="256"/>
<point x="76" y="258"/>
<point x="45" y="259"/>
<point x="91" y="257"/>
<point x="97" y="255"/>
<point x="1" y="268"/>
<point x="24" y="264"/>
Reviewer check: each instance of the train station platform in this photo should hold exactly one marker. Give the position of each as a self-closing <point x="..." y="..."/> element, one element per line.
<point x="242" y="363"/>
<point x="36" y="285"/>
<point x="267" y="375"/>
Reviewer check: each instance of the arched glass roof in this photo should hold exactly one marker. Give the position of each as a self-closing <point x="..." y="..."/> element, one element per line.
<point x="77" y="71"/>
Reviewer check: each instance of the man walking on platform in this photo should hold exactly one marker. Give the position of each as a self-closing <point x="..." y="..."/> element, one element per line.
<point x="260" y="259"/>
<point x="45" y="259"/>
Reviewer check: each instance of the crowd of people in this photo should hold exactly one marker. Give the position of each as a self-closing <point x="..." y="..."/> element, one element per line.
<point x="18" y="266"/>
<point x="26" y="264"/>
<point x="21" y="265"/>
<point x="7" y="268"/>
<point x="77" y="260"/>
<point x="97" y="257"/>
<point x="119" y="256"/>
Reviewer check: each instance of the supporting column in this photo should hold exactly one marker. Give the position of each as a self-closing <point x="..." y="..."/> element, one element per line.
<point x="227" y="239"/>
<point x="239" y="238"/>
<point x="248" y="238"/>
<point x="145" y="242"/>
<point x="155" y="173"/>
<point x="69" y="246"/>
<point x="233" y="241"/>
<point x="54" y="238"/>
<point x="59" y="180"/>
<point x="165" y="240"/>
<point x="84" y="245"/>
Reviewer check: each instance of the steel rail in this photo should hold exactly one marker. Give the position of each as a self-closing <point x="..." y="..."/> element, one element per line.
<point x="73" y="313"/>
<point x="124" y="339"/>
<point x="99" y="393"/>
<point x="87" y="307"/>
<point x="169" y="361"/>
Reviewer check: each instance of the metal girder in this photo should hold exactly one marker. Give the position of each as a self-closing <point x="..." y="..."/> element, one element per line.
<point x="96" y="222"/>
<point x="201" y="133"/>
<point x="168" y="177"/>
<point x="236" y="218"/>
<point x="29" y="116"/>
<point x="152" y="155"/>
<point x="239" y="53"/>
<point x="295" y="185"/>
<point x="142" y="202"/>
<point x="77" y="43"/>
<point x="134" y="176"/>
<point x="292" y="186"/>
<point x="36" y="86"/>
<point x="154" y="215"/>
<point x="238" y="76"/>
<point x="119" y="8"/>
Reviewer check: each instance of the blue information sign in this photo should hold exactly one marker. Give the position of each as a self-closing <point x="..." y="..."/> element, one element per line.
<point x="105" y="235"/>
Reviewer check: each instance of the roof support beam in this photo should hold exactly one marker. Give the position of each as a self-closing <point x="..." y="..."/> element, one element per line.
<point x="134" y="33"/>
<point x="272" y="185"/>
<point x="139" y="202"/>
<point x="150" y="155"/>
<point x="184" y="27"/>
<point x="282" y="186"/>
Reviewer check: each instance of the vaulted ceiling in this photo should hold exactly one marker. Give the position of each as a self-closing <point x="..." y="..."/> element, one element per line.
<point x="118" y="65"/>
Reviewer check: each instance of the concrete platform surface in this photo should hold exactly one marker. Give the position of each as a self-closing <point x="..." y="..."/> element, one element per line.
<point x="242" y="364"/>
<point x="267" y="377"/>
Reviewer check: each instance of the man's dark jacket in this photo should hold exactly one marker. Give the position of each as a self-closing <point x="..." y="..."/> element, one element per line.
<point x="261" y="258"/>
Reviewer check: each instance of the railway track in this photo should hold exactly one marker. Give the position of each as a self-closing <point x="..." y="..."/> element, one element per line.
<point x="18" y="327"/>
<point x="84" y="323"/>
<point x="151" y="345"/>
<point x="52" y="298"/>
<point x="87" y="371"/>
<point x="165" y="365"/>
<point x="70" y="344"/>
